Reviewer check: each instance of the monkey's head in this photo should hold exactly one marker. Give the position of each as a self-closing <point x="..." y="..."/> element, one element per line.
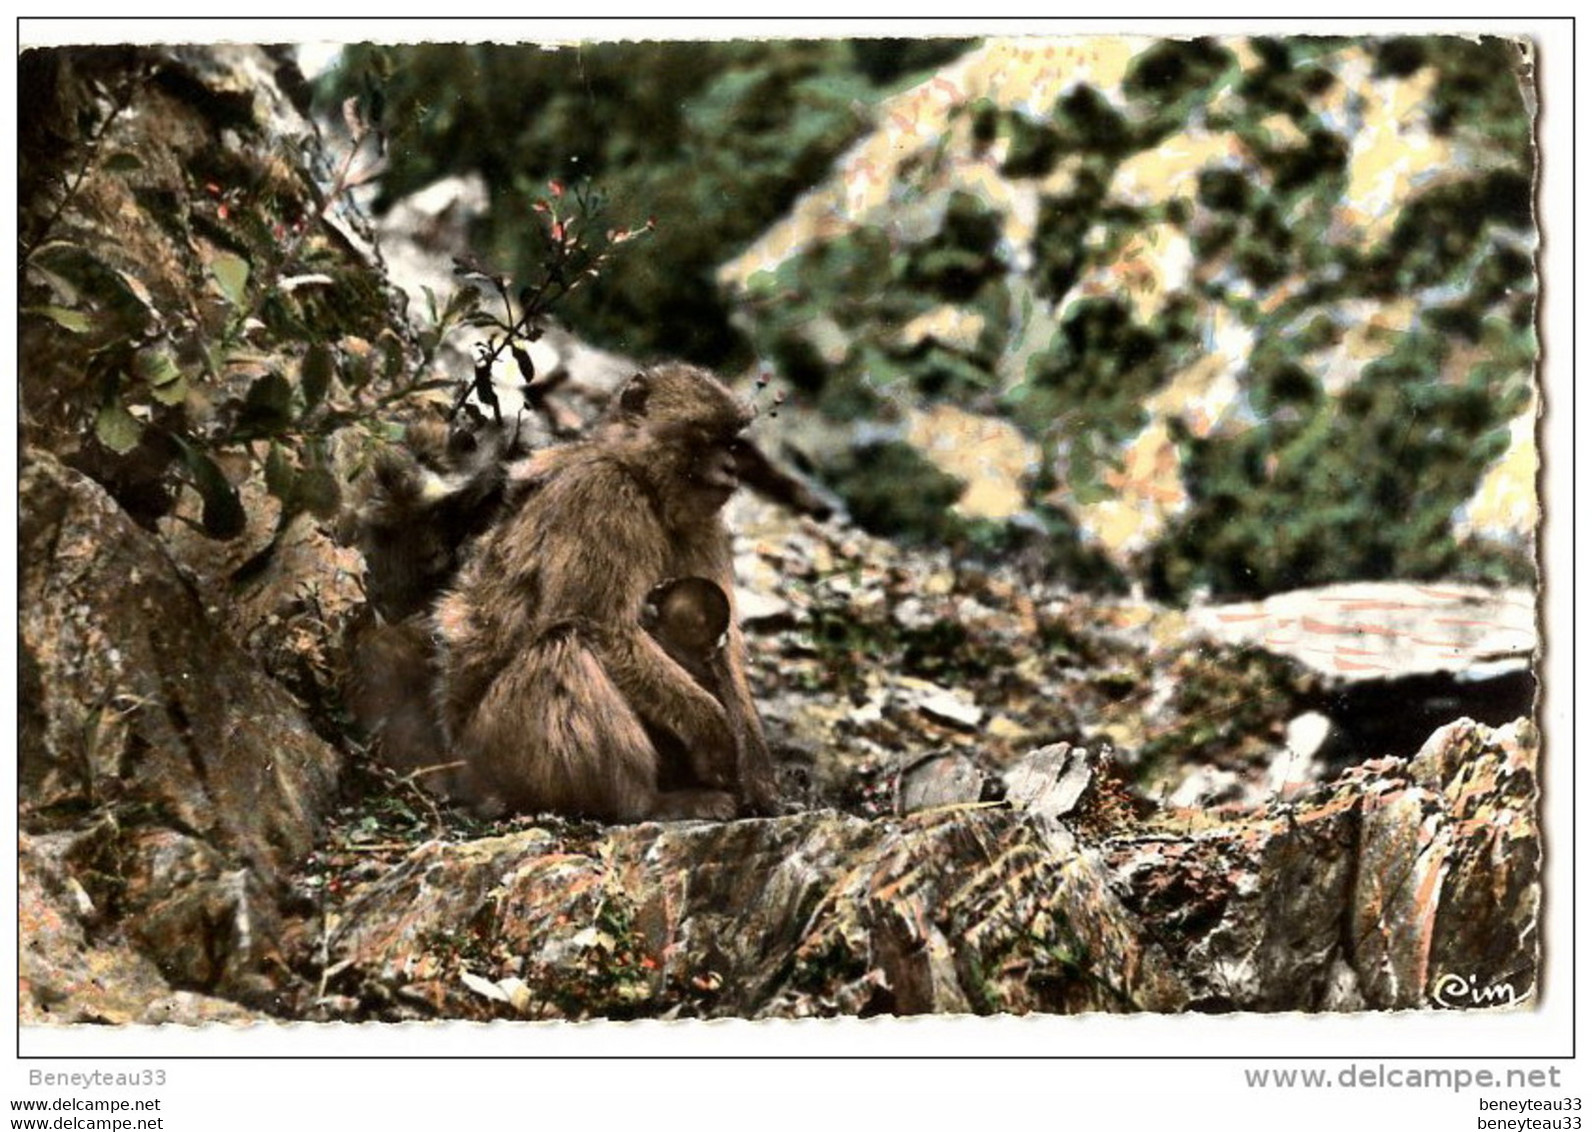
<point x="681" y="430"/>
<point x="688" y="615"/>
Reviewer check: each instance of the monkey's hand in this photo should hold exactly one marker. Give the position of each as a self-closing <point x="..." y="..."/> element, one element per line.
<point x="713" y="751"/>
<point x="666" y="696"/>
<point x="759" y="788"/>
<point x="756" y="784"/>
<point x="714" y="761"/>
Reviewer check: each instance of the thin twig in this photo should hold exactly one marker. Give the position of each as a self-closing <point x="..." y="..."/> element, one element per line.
<point x="123" y="99"/>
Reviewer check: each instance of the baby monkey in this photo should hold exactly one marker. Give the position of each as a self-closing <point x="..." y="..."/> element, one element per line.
<point x="689" y="617"/>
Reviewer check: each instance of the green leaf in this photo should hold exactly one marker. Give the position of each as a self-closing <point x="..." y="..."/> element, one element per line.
<point x="522" y="359"/>
<point x="318" y="492"/>
<point x="121" y="301"/>
<point x="135" y="287"/>
<point x="117" y="429"/>
<point x="123" y="162"/>
<point x="232" y="276"/>
<point x="356" y="371"/>
<point x="267" y="407"/>
<point x="280" y="474"/>
<point x="392" y="355"/>
<point x="223" y="516"/>
<point x="156" y="365"/>
<point x="315" y="374"/>
<point x="172" y="392"/>
<point x="460" y="303"/>
<point x="53" y="248"/>
<point x="76" y="321"/>
<point x="63" y="290"/>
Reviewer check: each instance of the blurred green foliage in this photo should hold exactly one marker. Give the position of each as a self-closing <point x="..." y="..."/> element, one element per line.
<point x="872" y="478"/>
<point x="1364" y="484"/>
<point x="1309" y="480"/>
<point x="1306" y="486"/>
<point x="713" y="140"/>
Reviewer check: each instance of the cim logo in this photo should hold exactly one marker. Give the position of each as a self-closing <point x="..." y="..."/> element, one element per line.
<point x="1457" y="992"/>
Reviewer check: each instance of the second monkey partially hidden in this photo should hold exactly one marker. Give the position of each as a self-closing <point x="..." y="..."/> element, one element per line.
<point x="550" y="691"/>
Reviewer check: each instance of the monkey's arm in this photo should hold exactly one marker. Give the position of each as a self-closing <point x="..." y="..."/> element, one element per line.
<point x="756" y="784"/>
<point x="649" y="679"/>
<point x="757" y="787"/>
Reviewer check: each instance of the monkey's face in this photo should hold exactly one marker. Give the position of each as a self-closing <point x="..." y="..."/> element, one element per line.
<point x="717" y="472"/>
<point x="698" y="462"/>
<point x="683" y="428"/>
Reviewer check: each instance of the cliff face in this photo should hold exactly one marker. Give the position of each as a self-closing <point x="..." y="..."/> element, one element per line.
<point x="1006" y="796"/>
<point x="1207" y="307"/>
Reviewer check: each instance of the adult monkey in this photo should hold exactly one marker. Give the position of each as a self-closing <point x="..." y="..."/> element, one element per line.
<point x="547" y="680"/>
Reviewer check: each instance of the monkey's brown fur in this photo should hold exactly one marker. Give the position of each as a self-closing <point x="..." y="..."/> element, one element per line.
<point x="547" y="681"/>
<point x="394" y="673"/>
<point x="421" y="506"/>
<point x="391" y="681"/>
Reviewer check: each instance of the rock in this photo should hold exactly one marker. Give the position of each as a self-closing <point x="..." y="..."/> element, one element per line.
<point x="1307" y="734"/>
<point x="914" y="613"/>
<point x="140" y="700"/>
<point x="206" y="922"/>
<point x="1005" y="728"/>
<point x="940" y="780"/>
<point x="1209" y="786"/>
<point x="823" y="914"/>
<point x="1050" y="781"/>
<point x="871" y="711"/>
<point x="1307" y="741"/>
<point x="759" y="610"/>
<point x="1398" y="659"/>
<point x="1433" y="861"/>
<point x="945" y="706"/>
<point x="63" y="978"/>
<point x="291" y="613"/>
<point x="139" y="706"/>
<point x="817" y="914"/>
<point x="1483" y="910"/>
<point x="422" y="233"/>
<point x="1380" y="630"/>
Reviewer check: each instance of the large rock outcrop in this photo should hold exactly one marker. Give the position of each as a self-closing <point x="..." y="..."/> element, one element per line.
<point x="1375" y="892"/>
<point x="167" y="784"/>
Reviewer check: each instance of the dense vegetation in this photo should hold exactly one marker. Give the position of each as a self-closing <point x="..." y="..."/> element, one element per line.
<point x="1321" y="478"/>
<point x="713" y="140"/>
<point x="1355" y="482"/>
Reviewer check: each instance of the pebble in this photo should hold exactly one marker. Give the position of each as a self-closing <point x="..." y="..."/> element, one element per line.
<point x="948" y="707"/>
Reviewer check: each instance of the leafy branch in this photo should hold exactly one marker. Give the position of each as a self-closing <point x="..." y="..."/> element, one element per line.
<point x="577" y="248"/>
